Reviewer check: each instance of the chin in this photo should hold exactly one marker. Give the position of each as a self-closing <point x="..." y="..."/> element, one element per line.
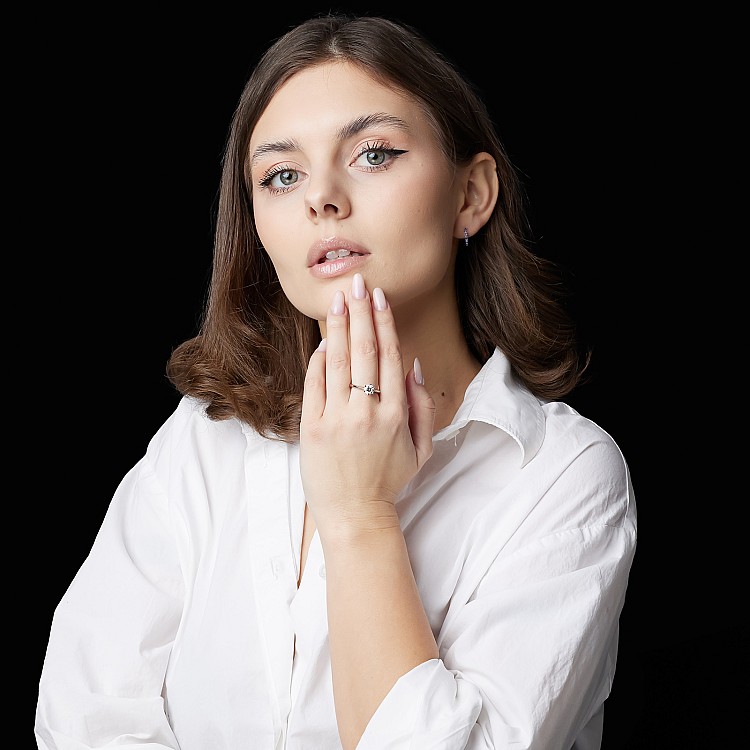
<point x="317" y="313"/>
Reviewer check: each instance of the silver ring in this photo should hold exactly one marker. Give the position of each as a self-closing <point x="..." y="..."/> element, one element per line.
<point x="369" y="388"/>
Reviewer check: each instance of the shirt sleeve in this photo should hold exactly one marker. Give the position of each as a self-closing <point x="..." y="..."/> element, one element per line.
<point x="113" y="630"/>
<point x="528" y="659"/>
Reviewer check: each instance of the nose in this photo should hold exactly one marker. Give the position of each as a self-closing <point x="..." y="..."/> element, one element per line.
<point x="326" y="198"/>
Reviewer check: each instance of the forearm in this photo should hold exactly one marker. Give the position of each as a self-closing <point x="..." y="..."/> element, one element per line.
<point x="378" y="629"/>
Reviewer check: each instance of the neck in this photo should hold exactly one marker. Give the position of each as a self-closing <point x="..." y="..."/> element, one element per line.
<point x="429" y="327"/>
<point x="447" y="364"/>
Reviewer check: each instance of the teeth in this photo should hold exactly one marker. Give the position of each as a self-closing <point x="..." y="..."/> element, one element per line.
<point x="333" y="254"/>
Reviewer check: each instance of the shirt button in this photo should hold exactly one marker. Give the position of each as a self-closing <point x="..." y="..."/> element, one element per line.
<point x="322" y="571"/>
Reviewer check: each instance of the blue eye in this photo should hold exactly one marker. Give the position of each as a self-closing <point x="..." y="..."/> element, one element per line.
<point x="279" y="178"/>
<point x="287" y="177"/>
<point x="377" y="156"/>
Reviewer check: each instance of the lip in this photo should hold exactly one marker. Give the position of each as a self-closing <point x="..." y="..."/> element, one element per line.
<point x="334" y="268"/>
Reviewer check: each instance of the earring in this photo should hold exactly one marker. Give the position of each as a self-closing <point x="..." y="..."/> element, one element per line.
<point x="466" y="237"/>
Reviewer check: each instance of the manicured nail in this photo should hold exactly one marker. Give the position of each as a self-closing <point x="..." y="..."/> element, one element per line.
<point x="418" y="376"/>
<point x="337" y="306"/>
<point x="322" y="345"/>
<point x="379" y="299"/>
<point x="358" y="286"/>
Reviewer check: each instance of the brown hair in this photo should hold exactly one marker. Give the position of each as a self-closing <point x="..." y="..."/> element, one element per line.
<point x="251" y="353"/>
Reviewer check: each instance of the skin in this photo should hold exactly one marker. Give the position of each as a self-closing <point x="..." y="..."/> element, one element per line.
<point x="407" y="212"/>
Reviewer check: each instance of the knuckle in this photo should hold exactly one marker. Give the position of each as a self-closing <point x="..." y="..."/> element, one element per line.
<point x="367" y="349"/>
<point x="366" y="422"/>
<point x="313" y="433"/>
<point x="314" y="381"/>
<point x="338" y="360"/>
<point x="393" y="419"/>
<point x="359" y="308"/>
<point x="337" y="322"/>
<point x="384" y="319"/>
<point x="392" y="352"/>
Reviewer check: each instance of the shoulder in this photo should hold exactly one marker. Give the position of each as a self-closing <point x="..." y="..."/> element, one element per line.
<point x="189" y="428"/>
<point x="571" y="436"/>
<point x="191" y="446"/>
<point x="583" y="461"/>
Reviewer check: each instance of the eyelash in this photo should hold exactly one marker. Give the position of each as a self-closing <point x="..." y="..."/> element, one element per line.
<point x="394" y="153"/>
<point x="265" y="181"/>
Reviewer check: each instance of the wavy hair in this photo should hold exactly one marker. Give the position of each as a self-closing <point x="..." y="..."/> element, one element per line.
<point x="250" y="355"/>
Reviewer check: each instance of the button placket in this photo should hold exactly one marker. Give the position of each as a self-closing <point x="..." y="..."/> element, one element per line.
<point x="267" y="473"/>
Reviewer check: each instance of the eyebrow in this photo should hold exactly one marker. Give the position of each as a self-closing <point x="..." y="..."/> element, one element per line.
<point x="349" y="130"/>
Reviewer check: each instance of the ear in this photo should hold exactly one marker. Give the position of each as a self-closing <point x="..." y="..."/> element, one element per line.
<point x="478" y="195"/>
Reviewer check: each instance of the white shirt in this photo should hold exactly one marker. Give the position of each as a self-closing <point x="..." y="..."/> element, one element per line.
<point x="184" y="627"/>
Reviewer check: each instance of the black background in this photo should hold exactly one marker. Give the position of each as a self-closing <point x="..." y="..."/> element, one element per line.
<point x="124" y="120"/>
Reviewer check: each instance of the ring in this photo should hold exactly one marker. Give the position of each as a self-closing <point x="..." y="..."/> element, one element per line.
<point x="369" y="389"/>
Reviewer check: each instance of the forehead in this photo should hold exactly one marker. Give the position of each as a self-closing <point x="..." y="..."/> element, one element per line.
<point x="320" y="98"/>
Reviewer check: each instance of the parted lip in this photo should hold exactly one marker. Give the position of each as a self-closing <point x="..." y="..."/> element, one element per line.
<point x="321" y="247"/>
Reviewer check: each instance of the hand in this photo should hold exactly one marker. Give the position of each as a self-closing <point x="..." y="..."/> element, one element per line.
<point x="358" y="451"/>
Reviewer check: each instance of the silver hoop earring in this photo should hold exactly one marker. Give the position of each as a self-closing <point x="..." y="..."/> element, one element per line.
<point x="466" y="237"/>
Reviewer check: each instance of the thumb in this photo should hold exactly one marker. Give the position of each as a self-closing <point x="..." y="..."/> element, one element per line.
<point x="421" y="413"/>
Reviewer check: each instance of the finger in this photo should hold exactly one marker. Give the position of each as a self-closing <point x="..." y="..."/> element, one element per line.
<point x="338" y="369"/>
<point x="390" y="364"/>
<point x="314" y="393"/>
<point x="421" y="413"/>
<point x="363" y="343"/>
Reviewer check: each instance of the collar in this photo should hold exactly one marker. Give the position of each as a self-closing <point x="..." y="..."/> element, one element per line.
<point x="496" y="396"/>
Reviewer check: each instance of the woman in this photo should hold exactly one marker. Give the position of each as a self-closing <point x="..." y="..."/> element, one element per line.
<point x="371" y="521"/>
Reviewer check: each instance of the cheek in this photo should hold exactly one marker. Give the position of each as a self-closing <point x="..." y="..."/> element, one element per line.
<point x="264" y="225"/>
<point x="277" y="237"/>
<point x="271" y="233"/>
<point x="427" y="195"/>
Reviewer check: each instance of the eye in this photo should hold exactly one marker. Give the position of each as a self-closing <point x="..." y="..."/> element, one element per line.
<point x="279" y="179"/>
<point x="376" y="156"/>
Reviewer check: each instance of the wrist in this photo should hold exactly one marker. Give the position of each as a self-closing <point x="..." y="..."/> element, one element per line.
<point x="362" y="525"/>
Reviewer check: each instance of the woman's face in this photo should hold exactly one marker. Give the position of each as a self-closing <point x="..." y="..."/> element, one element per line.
<point x="346" y="167"/>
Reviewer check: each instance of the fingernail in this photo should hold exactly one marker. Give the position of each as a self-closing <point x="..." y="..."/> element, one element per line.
<point x="379" y="299"/>
<point x="358" y="286"/>
<point x="418" y="376"/>
<point x="322" y="345"/>
<point x="337" y="306"/>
